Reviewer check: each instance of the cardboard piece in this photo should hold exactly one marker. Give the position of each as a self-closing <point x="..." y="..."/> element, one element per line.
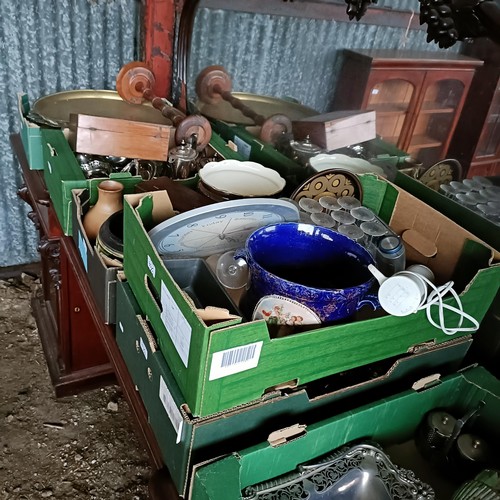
<point x="481" y="227"/>
<point x="185" y="440"/>
<point x="117" y="137"/>
<point x="389" y="422"/>
<point x="195" y="352"/>
<point x="337" y="129"/>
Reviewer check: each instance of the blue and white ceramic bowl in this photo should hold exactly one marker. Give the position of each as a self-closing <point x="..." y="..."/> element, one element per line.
<point x="313" y="265"/>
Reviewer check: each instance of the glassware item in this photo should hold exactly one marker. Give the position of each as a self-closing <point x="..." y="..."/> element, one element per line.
<point x="476" y="197"/>
<point x="373" y="230"/>
<point x="310" y="205"/>
<point x="472" y="185"/>
<point x="348" y="202"/>
<point x="483" y="181"/>
<point x="108" y="202"/>
<point x="362" y="214"/>
<point x="492" y="192"/>
<point x="460" y="188"/>
<point x="305" y="218"/>
<point x="322" y="219"/>
<point x="342" y="217"/>
<point x="464" y="200"/>
<point x="448" y="190"/>
<point x="390" y="255"/>
<point x="352" y="231"/>
<point x="329" y="203"/>
<point x="232" y="273"/>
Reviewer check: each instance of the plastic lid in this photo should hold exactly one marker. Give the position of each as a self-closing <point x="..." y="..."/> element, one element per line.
<point x="399" y="296"/>
<point x="389" y="244"/>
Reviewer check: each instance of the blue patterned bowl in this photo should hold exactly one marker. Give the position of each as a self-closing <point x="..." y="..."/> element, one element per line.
<point x="316" y="266"/>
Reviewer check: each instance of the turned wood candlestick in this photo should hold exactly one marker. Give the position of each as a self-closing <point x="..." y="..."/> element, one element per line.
<point x="134" y="84"/>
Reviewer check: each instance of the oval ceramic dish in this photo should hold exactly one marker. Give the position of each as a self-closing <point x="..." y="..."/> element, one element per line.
<point x="325" y="161"/>
<point x="244" y="179"/>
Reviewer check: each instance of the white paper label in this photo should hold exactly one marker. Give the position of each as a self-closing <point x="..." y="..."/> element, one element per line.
<point x="238" y="359"/>
<point x="176" y="324"/>
<point x="82" y="247"/>
<point x="143" y="348"/>
<point x="244" y="149"/>
<point x="151" y="267"/>
<point x="173" y="412"/>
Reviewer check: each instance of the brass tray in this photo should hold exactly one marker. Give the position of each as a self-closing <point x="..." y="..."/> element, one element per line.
<point x="261" y="104"/>
<point x="106" y="103"/>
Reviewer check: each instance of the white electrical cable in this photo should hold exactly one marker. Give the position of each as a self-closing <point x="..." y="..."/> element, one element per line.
<point x="435" y="297"/>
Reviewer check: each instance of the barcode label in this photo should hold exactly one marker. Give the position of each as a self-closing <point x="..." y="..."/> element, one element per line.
<point x="151" y="267"/>
<point x="244" y="149"/>
<point x="82" y="247"/>
<point x="171" y="408"/>
<point x="177" y="325"/>
<point x="238" y="359"/>
<point x="143" y="348"/>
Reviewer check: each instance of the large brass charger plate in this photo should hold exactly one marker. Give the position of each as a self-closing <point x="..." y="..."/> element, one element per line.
<point x="260" y="104"/>
<point x="333" y="182"/>
<point x="105" y="103"/>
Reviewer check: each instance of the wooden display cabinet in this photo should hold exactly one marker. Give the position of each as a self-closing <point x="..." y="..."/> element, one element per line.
<point x="476" y="142"/>
<point x="417" y="96"/>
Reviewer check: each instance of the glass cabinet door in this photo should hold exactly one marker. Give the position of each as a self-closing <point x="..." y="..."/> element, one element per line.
<point x="391" y="101"/>
<point x="489" y="142"/>
<point x="435" y="120"/>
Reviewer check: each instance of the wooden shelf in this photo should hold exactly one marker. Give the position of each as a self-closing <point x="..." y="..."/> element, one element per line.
<point x="423" y="141"/>
<point x="389" y="108"/>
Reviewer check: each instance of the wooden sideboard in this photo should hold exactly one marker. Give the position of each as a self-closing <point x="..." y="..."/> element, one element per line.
<point x="80" y="349"/>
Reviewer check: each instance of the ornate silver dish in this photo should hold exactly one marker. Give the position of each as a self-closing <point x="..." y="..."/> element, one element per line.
<point x="359" y="472"/>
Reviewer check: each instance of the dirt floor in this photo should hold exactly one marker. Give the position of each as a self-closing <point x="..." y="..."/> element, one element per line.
<point x="79" y="447"/>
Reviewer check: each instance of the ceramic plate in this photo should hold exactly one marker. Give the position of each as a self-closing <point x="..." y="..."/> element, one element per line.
<point x="241" y="178"/>
<point x="333" y="182"/>
<point x="324" y="161"/>
<point x="284" y="311"/>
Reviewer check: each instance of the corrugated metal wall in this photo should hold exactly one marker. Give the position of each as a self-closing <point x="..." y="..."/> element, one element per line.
<point x="290" y="57"/>
<point x="48" y="46"/>
<point x="54" y="45"/>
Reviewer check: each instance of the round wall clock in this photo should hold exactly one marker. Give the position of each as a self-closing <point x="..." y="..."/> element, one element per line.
<point x="220" y="227"/>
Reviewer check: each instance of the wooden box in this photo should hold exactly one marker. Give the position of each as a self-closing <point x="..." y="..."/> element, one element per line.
<point x="116" y="137"/>
<point x="336" y="129"/>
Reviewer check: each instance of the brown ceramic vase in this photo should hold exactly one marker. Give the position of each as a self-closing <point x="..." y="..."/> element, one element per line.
<point x="108" y="202"/>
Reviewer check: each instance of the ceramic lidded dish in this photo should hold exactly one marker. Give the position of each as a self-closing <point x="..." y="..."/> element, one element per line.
<point x="231" y="179"/>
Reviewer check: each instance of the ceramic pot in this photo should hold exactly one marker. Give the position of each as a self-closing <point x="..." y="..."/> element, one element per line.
<point x="108" y="202"/>
<point x="321" y="269"/>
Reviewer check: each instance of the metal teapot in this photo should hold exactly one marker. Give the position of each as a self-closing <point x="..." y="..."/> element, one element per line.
<point x="182" y="161"/>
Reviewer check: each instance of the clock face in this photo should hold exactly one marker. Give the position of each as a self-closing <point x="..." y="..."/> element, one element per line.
<point x="218" y="228"/>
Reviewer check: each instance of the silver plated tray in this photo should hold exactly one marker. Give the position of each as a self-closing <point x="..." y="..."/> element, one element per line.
<point x="261" y="104"/>
<point x="358" y="472"/>
<point x="57" y="108"/>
